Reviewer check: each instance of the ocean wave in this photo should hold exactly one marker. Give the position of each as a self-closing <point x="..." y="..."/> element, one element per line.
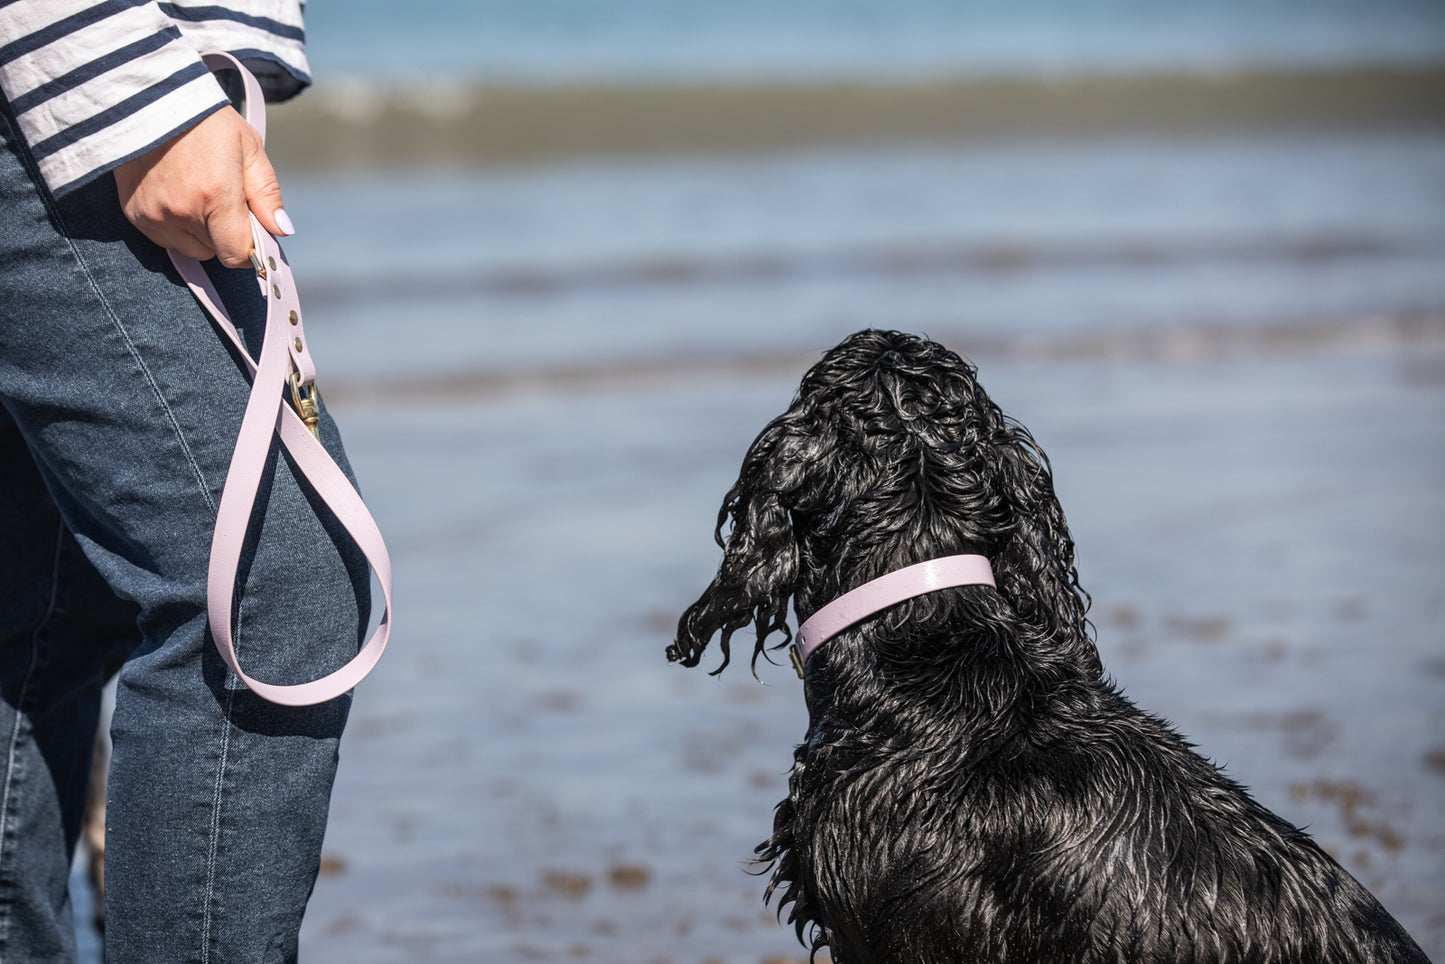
<point x="1183" y="344"/>
<point x="359" y="124"/>
<point x="895" y="261"/>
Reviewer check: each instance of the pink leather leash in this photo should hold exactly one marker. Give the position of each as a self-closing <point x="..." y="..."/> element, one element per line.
<point x="284" y="363"/>
<point x="885" y="591"/>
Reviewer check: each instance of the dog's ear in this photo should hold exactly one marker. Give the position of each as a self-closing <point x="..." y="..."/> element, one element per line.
<point x="1035" y="564"/>
<point x="760" y="565"/>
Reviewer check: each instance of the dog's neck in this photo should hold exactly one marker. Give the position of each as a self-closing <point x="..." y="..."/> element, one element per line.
<point x="887" y="590"/>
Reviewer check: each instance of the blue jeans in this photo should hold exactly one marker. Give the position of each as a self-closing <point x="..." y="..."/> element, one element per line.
<point x="119" y="404"/>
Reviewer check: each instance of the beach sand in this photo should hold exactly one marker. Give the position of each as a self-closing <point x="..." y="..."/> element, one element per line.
<point x="357" y="124"/>
<point x="1226" y="333"/>
<point x="526" y="779"/>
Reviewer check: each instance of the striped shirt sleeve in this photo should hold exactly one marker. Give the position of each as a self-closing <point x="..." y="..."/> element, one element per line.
<point x="94" y="83"/>
<point x="269" y="36"/>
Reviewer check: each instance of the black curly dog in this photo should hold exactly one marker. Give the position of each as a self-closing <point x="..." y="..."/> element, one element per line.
<point x="971" y="788"/>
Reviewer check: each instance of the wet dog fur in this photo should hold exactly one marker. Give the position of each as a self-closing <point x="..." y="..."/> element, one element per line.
<point x="971" y="788"/>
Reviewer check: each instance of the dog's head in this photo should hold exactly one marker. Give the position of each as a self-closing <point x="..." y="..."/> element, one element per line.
<point x="890" y="454"/>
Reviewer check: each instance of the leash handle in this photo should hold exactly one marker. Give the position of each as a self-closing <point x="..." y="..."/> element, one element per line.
<point x="284" y="362"/>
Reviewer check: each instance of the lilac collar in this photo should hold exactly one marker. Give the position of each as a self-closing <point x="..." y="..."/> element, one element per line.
<point x="885" y="591"/>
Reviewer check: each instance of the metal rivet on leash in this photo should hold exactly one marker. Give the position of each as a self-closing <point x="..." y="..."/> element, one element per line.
<point x="272" y="263"/>
<point x="294" y="318"/>
<point x="276" y="290"/>
<point x="297" y="343"/>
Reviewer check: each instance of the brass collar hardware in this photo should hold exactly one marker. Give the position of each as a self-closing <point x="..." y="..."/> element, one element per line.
<point x="797" y="662"/>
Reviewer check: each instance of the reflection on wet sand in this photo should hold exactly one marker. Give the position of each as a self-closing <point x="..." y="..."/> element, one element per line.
<point x="1177" y="344"/>
<point x="529" y="780"/>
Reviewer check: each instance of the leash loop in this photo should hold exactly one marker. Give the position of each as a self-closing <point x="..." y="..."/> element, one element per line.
<point x="282" y="361"/>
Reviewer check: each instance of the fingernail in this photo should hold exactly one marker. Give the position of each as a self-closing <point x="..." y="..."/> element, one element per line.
<point x="283" y="221"/>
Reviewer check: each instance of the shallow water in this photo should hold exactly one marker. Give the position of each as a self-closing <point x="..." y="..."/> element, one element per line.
<point x="1232" y="348"/>
<point x="526" y="778"/>
<point x="600" y="264"/>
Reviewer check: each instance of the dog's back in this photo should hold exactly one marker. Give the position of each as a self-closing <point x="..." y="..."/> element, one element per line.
<point x="1076" y="829"/>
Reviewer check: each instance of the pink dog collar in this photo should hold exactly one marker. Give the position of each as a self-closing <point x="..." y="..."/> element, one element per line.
<point x="885" y="591"/>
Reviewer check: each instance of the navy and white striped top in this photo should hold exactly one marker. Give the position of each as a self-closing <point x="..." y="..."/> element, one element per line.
<point x="94" y="83"/>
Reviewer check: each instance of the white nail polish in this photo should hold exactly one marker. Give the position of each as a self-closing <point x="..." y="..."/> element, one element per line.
<point x="283" y="221"/>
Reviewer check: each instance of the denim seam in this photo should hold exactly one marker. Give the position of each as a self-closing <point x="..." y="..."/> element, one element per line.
<point x="20" y="717"/>
<point x="214" y="843"/>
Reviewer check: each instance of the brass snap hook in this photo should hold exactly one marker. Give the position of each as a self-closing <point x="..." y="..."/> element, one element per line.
<point x="307" y="404"/>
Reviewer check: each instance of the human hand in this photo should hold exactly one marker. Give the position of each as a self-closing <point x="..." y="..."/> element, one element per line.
<point x="191" y="194"/>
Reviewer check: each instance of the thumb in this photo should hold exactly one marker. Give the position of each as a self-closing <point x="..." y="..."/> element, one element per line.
<point x="263" y="193"/>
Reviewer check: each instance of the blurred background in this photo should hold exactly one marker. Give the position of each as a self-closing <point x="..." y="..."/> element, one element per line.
<point x="563" y="259"/>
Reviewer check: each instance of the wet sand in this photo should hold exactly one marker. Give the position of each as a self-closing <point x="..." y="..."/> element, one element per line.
<point x="527" y="779"/>
<point x="1232" y="348"/>
<point x="347" y="125"/>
